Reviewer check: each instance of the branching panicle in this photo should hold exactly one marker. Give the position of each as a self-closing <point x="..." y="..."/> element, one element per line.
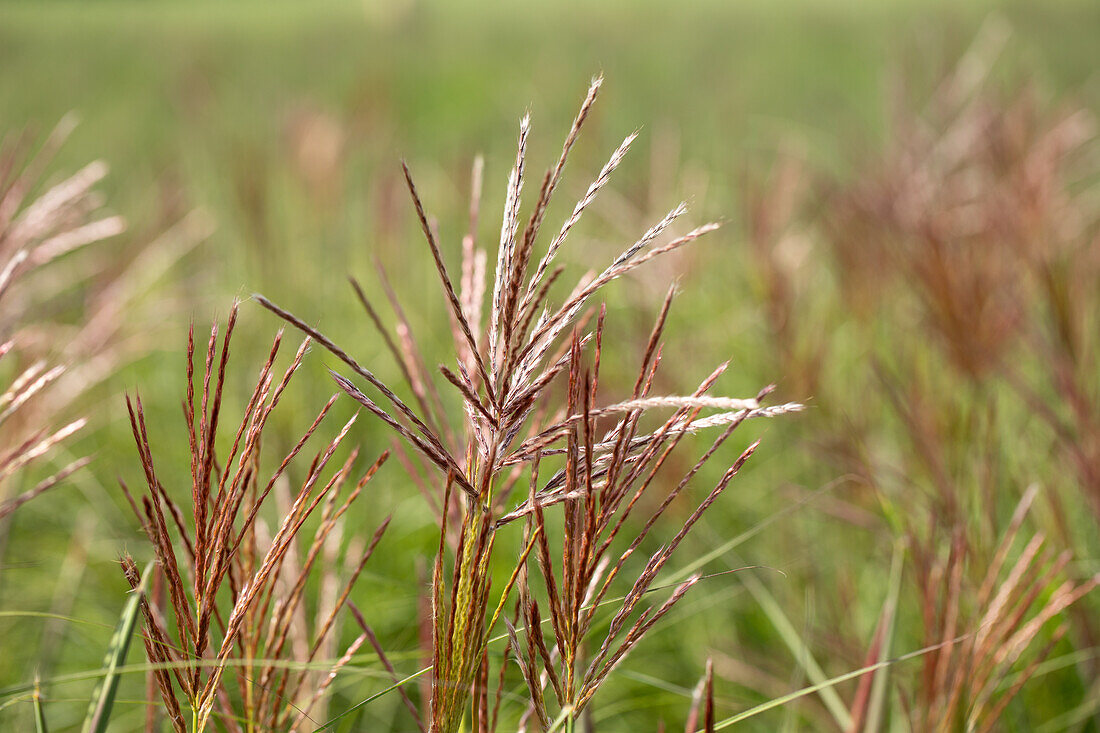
<point x="227" y="607"/>
<point x="504" y="377"/>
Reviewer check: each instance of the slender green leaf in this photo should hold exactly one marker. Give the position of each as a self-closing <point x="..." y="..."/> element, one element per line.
<point x="565" y="717"/>
<point x="42" y="614"/>
<point x="876" y="709"/>
<point x="801" y="651"/>
<point x="103" y="698"/>
<point x="792" y="696"/>
<point x="39" y="713"/>
<point x="371" y="699"/>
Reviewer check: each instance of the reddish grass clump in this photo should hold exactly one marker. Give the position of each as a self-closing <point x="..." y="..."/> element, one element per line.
<point x="593" y="461"/>
<point x="977" y="219"/>
<point x="234" y="586"/>
<point x="981" y="207"/>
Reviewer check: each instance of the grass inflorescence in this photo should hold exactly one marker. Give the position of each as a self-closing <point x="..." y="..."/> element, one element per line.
<point x="590" y="462"/>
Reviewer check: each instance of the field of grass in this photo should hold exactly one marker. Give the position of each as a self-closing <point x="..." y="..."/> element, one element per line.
<point x="256" y="148"/>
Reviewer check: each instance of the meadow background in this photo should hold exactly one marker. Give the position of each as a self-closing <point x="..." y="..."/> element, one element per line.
<point x="273" y="134"/>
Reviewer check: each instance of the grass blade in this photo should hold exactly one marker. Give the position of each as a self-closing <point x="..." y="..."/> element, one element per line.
<point x="39" y="713"/>
<point x="370" y="699"/>
<point x="799" y="649"/>
<point x="99" y="710"/>
<point x="876" y="709"/>
<point x="827" y="684"/>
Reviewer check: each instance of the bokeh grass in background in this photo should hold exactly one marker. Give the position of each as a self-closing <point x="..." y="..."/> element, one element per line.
<point x="284" y="125"/>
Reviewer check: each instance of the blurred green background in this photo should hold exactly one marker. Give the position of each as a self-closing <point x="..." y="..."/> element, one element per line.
<point x="284" y="124"/>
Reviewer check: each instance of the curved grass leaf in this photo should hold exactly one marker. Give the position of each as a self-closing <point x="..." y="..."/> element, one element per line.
<point x="832" y="682"/>
<point x="99" y="710"/>
<point x="876" y="710"/>
<point x="371" y="699"/>
<point x="799" y="649"/>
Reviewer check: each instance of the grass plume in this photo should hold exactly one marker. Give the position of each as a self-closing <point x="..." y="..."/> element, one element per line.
<point x="505" y="375"/>
<point x="234" y="586"/>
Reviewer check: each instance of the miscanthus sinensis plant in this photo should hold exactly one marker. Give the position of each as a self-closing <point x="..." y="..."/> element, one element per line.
<point x="535" y="438"/>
